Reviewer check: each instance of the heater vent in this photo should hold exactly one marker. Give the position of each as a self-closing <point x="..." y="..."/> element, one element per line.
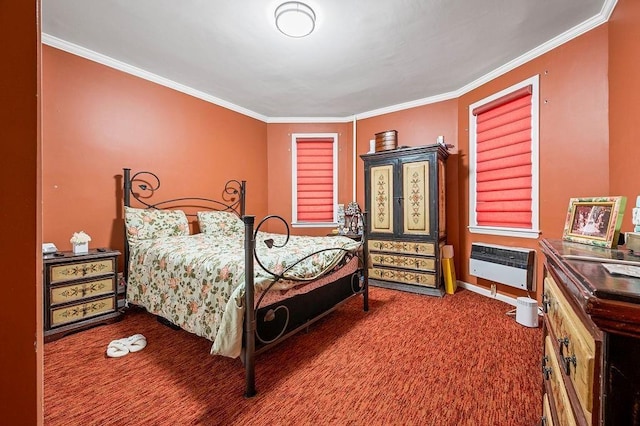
<point x="512" y="266"/>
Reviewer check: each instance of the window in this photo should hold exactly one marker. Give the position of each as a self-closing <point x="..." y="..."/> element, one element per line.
<point x="315" y="179"/>
<point x="503" y="175"/>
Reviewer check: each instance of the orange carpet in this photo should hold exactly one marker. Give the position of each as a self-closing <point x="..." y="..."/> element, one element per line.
<point x="410" y="360"/>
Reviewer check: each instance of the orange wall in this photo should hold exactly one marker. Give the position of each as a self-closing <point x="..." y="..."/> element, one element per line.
<point x="279" y="159"/>
<point x="98" y="120"/>
<point x="574" y="139"/>
<point x="624" y="104"/>
<point x="21" y="261"/>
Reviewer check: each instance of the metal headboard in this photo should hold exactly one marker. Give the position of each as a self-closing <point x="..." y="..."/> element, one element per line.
<point x="232" y="200"/>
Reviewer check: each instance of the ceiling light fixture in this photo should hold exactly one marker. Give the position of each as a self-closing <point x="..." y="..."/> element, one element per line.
<point x="295" y="19"/>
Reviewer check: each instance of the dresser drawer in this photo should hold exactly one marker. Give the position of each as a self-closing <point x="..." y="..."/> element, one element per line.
<point x="547" y="420"/>
<point x="577" y="345"/>
<point x="404" y="247"/>
<point x="82" y="290"/>
<point x="554" y="376"/>
<point x="401" y="276"/>
<point x="67" y="314"/>
<point x="408" y="262"/>
<point x="72" y="271"/>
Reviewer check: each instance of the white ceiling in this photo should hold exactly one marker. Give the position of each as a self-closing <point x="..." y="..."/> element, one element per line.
<point x="364" y="57"/>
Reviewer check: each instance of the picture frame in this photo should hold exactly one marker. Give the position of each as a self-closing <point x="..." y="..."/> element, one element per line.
<point x="594" y="221"/>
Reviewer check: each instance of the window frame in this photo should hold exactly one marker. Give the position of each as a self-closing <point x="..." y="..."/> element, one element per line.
<point x="294" y="180"/>
<point x="534" y="231"/>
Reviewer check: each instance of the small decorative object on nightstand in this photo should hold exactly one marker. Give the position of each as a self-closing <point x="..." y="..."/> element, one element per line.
<point x="352" y="220"/>
<point x="80" y="242"/>
<point x="80" y="291"/>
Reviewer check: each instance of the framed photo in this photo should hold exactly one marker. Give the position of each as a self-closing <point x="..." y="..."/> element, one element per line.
<point x="595" y="221"/>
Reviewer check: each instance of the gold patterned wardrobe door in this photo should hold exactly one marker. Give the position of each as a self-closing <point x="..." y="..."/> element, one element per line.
<point x="382" y="199"/>
<point x="415" y="188"/>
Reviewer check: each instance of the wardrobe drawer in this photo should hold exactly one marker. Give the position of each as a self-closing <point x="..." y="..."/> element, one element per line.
<point x="72" y="271"/>
<point x="405" y="247"/>
<point x="67" y="314"/>
<point x="82" y="290"/>
<point x="553" y="376"/>
<point x="577" y="345"/>
<point x="401" y="276"/>
<point x="409" y="262"/>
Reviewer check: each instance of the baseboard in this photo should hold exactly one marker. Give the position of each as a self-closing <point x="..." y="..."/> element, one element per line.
<point x="487" y="293"/>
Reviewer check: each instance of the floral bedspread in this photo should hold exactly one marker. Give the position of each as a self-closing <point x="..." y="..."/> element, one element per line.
<point x="197" y="281"/>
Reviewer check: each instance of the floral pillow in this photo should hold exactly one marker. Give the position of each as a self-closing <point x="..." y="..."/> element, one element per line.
<point x="146" y="224"/>
<point x="227" y="224"/>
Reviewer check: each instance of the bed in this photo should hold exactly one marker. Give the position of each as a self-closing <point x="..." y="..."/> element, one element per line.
<point x="205" y="282"/>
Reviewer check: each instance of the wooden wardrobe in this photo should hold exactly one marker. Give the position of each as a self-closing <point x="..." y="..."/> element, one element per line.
<point x="406" y="229"/>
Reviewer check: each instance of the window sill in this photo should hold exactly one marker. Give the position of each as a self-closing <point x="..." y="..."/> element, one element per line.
<point x="314" y="225"/>
<point x="505" y="232"/>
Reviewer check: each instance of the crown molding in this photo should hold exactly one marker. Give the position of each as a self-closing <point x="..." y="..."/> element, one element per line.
<point x="347" y="119"/>
<point x="138" y="72"/>
<point x="578" y="30"/>
<point x="407" y="105"/>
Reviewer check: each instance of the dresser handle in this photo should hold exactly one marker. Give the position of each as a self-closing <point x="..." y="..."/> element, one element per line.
<point x="566" y="360"/>
<point x="546" y="302"/>
<point x="546" y="371"/>
<point x="543" y="421"/>
<point x="567" y="364"/>
<point x="563" y="341"/>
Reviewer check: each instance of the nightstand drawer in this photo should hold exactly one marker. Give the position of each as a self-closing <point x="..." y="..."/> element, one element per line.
<point x="67" y="314"/>
<point x="576" y="344"/>
<point x="82" y="290"/>
<point x="73" y="271"/>
<point x="407" y="262"/>
<point x="401" y="276"/>
<point x="405" y="247"/>
<point x="558" y="391"/>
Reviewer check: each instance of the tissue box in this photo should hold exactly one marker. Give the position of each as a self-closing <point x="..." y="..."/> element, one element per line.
<point x="633" y="242"/>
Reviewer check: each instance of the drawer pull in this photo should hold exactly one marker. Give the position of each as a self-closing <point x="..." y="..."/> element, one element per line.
<point x="567" y="364"/>
<point x="543" y="421"/>
<point x="546" y="302"/>
<point x="563" y="341"/>
<point x="566" y="360"/>
<point x="546" y="371"/>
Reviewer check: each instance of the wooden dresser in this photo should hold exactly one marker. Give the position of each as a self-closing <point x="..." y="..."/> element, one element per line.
<point x="80" y="291"/>
<point x="405" y="198"/>
<point x="591" y="361"/>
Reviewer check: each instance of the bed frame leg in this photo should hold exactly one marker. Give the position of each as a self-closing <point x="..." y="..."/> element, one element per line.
<point x="249" y="315"/>
<point x="365" y="261"/>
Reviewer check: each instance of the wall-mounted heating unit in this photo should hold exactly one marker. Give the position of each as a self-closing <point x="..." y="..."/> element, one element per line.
<point x="512" y="266"/>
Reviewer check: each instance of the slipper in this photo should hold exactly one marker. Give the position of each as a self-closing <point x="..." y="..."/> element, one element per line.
<point x="117" y="349"/>
<point x="135" y="343"/>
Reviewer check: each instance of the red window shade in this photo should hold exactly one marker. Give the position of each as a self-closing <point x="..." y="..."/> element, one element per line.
<point x="503" y="161"/>
<point x="315" y="179"/>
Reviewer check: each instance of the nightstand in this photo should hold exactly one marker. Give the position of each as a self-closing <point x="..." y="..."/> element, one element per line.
<point x="80" y="291"/>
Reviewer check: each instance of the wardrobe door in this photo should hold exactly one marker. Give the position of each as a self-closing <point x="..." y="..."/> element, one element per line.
<point x="381" y="199"/>
<point x="416" y="216"/>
